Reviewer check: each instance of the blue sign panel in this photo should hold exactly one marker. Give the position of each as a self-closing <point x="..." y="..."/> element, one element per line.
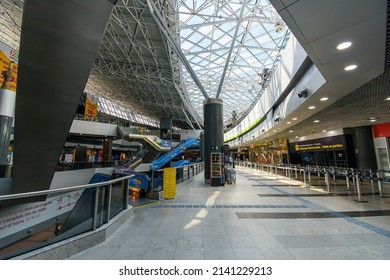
<point x="165" y="143"/>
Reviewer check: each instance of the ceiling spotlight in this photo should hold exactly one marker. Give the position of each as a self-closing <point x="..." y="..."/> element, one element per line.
<point x="279" y="27"/>
<point x="372" y="119"/>
<point x="324" y="130"/>
<point x="316" y="121"/>
<point x="288" y="122"/>
<point x="296" y="136"/>
<point x="344" y="45"/>
<point x="302" y="93"/>
<point x="291" y="131"/>
<point x="294" y="119"/>
<point x="350" y="67"/>
<point x="324" y="98"/>
<point x="312" y="107"/>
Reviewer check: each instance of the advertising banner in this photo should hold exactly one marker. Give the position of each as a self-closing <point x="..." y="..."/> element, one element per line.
<point x="8" y="67"/>
<point x="91" y="106"/>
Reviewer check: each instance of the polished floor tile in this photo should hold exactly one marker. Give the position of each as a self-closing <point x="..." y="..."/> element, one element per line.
<point x="259" y="217"/>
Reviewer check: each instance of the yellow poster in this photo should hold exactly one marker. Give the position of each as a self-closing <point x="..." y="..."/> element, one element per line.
<point x="91" y="106"/>
<point x="8" y="72"/>
<point x="169" y="183"/>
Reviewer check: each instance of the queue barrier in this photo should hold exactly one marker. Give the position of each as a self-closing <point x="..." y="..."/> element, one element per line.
<point x="350" y="174"/>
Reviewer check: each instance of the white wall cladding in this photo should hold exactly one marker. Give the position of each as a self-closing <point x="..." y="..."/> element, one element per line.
<point x="292" y="58"/>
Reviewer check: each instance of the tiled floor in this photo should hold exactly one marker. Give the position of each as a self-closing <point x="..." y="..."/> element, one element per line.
<point x="256" y="218"/>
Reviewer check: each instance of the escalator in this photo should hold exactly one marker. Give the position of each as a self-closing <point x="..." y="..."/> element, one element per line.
<point x="167" y="157"/>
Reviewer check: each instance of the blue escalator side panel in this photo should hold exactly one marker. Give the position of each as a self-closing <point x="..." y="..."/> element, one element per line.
<point x="140" y="181"/>
<point x="167" y="157"/>
<point x="99" y="177"/>
<point x="181" y="163"/>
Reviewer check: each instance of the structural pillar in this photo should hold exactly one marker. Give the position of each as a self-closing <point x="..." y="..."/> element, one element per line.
<point x="213" y="130"/>
<point x="107" y="149"/>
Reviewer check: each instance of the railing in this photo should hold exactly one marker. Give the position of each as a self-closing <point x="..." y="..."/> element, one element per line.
<point x="183" y="173"/>
<point x="306" y="172"/>
<point x="64" y="213"/>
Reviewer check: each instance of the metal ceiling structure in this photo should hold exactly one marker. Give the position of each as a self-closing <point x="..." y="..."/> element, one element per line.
<point x="228" y="44"/>
<point x="137" y="69"/>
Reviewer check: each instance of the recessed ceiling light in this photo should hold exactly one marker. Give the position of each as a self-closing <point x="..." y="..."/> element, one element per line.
<point x="291" y="131"/>
<point x="317" y="121"/>
<point x="388" y="98"/>
<point x="296" y="136"/>
<point x="274" y="130"/>
<point x="288" y="122"/>
<point x="344" y="45"/>
<point x="324" y="98"/>
<point x="324" y="130"/>
<point x="312" y="107"/>
<point x="373" y="120"/>
<point x="294" y="119"/>
<point x="350" y="67"/>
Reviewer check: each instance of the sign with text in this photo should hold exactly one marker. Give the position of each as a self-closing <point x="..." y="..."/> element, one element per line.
<point x="169" y="183"/>
<point x="91" y="106"/>
<point x="327" y="143"/>
<point x="21" y="217"/>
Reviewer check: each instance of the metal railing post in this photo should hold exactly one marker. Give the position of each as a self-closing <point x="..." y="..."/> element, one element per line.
<point x="327" y="179"/>
<point x="109" y="203"/>
<point x="304" y="177"/>
<point x="381" y="194"/>
<point x="95" y="209"/>
<point x="348" y="184"/>
<point x="126" y="194"/>
<point x="359" y="191"/>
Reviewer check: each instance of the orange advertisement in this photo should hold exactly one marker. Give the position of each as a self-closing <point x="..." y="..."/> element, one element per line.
<point x="8" y="72"/>
<point x="91" y="106"/>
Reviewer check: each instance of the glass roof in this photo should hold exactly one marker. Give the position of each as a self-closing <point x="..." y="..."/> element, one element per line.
<point x="250" y="33"/>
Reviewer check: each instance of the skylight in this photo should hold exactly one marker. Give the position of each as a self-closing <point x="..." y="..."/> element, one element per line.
<point x="207" y="32"/>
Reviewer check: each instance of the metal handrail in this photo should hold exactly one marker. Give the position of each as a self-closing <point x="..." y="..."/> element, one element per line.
<point x="61" y="190"/>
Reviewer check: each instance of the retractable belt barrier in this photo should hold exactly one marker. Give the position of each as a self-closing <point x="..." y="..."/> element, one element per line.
<point x="348" y="173"/>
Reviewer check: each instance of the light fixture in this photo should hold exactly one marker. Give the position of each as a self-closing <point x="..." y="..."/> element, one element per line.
<point x="302" y="93"/>
<point x="324" y="130"/>
<point x="344" y="45"/>
<point x="372" y="119"/>
<point x="388" y="98"/>
<point x="324" y="98"/>
<point x="294" y="119"/>
<point x="291" y="131"/>
<point x="288" y="122"/>
<point x="296" y="136"/>
<point x="312" y="107"/>
<point x="316" y="121"/>
<point x="350" y="67"/>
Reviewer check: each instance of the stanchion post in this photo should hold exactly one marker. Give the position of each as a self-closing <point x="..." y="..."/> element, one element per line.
<point x="372" y="182"/>
<point x="327" y="179"/>
<point x="347" y="178"/>
<point x="381" y="194"/>
<point x="359" y="191"/>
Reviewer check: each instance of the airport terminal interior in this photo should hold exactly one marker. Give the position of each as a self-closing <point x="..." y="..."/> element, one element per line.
<point x="194" y="130"/>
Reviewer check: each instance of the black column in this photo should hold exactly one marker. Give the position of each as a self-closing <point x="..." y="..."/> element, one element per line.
<point x="364" y="147"/>
<point x="58" y="44"/>
<point x="213" y="130"/>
